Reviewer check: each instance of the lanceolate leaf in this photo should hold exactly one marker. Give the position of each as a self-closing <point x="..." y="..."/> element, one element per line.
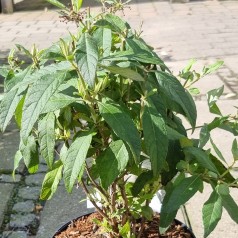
<point x="113" y="22"/>
<point x="202" y="158"/>
<point x="121" y="123"/>
<point x="57" y="4"/>
<point x="86" y="56"/>
<point x="46" y="128"/>
<point x="11" y="99"/>
<point x="103" y="37"/>
<point x="58" y="101"/>
<point x="125" y="72"/>
<point x="30" y="154"/>
<point x="156" y="139"/>
<point x="231" y="206"/>
<point x="36" y="99"/>
<point x="112" y="162"/>
<point x="181" y="193"/>
<point x="212" y="211"/>
<point x="51" y="181"/>
<point x="75" y="159"/>
<point x="212" y="97"/>
<point x="172" y="88"/>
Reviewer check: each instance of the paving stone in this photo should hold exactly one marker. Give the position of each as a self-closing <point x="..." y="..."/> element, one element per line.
<point x="35" y="179"/>
<point x="61" y="209"/>
<point x="5" y="193"/>
<point x="31" y="193"/>
<point x="24" y="207"/>
<point x="14" y="234"/>
<point x="7" y="178"/>
<point x="22" y="221"/>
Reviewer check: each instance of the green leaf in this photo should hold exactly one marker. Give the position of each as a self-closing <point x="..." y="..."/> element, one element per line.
<point x="211" y="68"/>
<point x="86" y="56"/>
<point x="141" y="181"/>
<point x="235" y="150"/>
<point x="181" y="193"/>
<point x="22" y="48"/>
<point x="113" y="161"/>
<point x="122" y="125"/>
<point x="59" y="101"/>
<point x="103" y="37"/>
<point x="17" y="159"/>
<point x="36" y="75"/>
<point x="138" y="46"/>
<point x="51" y="181"/>
<point x="18" y="112"/>
<point x="37" y="97"/>
<point x="77" y="4"/>
<point x="173" y="89"/>
<point x="46" y="128"/>
<point x="218" y="152"/>
<point x="230" y="205"/>
<point x="223" y="189"/>
<point x="114" y="23"/>
<point x="202" y="158"/>
<point x="30" y="154"/>
<point x="155" y="136"/>
<point x="53" y="52"/>
<point x="125" y="72"/>
<point x="212" y="97"/>
<point x="11" y="99"/>
<point x="147" y="212"/>
<point x="75" y="159"/>
<point x="57" y="4"/>
<point x="204" y="136"/>
<point x="212" y="211"/>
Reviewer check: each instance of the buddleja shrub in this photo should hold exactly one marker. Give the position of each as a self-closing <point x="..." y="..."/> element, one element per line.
<point x="115" y="108"/>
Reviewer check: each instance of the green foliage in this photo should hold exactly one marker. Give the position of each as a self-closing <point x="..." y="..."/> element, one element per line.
<point x="116" y="113"/>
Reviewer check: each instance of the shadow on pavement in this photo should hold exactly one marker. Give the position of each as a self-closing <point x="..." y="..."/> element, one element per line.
<point x="31" y="5"/>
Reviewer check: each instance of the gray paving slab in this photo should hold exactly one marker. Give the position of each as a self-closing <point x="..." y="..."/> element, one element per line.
<point x="9" y="142"/>
<point x="5" y="192"/>
<point x="61" y="209"/>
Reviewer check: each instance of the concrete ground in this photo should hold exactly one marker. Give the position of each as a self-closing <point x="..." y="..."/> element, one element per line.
<point x="205" y="30"/>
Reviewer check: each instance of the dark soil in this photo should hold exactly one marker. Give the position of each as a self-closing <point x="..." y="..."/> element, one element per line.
<point x="84" y="227"/>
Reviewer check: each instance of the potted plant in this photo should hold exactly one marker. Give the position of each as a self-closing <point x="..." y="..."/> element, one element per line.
<point x="117" y="112"/>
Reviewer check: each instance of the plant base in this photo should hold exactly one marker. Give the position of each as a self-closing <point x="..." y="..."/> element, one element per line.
<point x="84" y="227"/>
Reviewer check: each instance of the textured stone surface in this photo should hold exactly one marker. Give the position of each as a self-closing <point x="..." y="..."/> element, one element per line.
<point x="22" y="221"/>
<point x="14" y="234"/>
<point x="9" y="179"/>
<point x="32" y="193"/>
<point x="61" y="209"/>
<point x="24" y="207"/>
<point x="5" y="192"/>
<point x="35" y="179"/>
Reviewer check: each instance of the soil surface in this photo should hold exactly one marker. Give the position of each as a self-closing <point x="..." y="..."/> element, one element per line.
<point x="85" y="227"/>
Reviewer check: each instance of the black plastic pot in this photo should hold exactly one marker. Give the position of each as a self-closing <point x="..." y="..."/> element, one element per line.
<point x="65" y="226"/>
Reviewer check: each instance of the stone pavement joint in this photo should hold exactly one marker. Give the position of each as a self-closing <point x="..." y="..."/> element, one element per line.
<point x="205" y="30"/>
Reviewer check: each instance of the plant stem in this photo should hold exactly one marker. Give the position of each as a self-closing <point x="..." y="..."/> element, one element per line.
<point x="96" y="185"/>
<point x="100" y="211"/>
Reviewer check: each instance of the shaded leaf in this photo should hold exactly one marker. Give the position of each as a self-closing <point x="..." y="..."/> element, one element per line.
<point x="155" y="135"/>
<point x="212" y="97"/>
<point x="175" y="91"/>
<point x="113" y="161"/>
<point x="51" y="181"/>
<point x="75" y="159"/>
<point x="125" y="72"/>
<point x="202" y="158"/>
<point x="121" y="123"/>
<point x="46" y="128"/>
<point x="211" y="213"/>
